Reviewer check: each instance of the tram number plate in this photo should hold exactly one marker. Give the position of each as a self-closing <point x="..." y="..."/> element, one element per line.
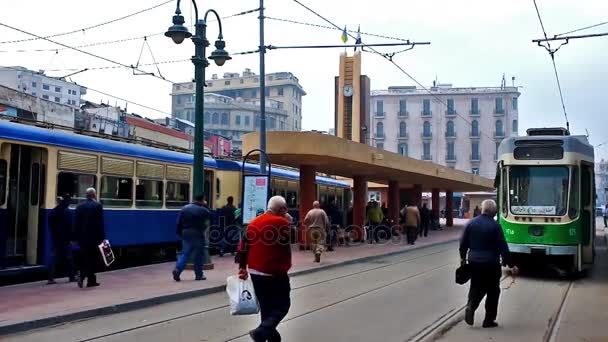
<point x="572" y="231"/>
<point x="510" y="231"/>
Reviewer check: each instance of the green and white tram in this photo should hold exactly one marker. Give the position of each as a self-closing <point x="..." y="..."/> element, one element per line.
<point x="546" y="196"/>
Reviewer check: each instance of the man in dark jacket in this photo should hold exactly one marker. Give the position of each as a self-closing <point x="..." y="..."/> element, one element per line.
<point x="60" y="227"/>
<point x="425" y="220"/>
<point x="228" y="231"/>
<point x="485" y="243"/>
<point x="89" y="233"/>
<point x="192" y="224"/>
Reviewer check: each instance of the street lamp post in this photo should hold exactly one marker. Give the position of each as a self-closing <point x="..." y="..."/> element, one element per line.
<point x="178" y="33"/>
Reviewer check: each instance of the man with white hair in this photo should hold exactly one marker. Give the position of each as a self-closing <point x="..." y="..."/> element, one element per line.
<point x="265" y="254"/>
<point x="89" y="233"/>
<point x="483" y="246"/>
<point x="318" y="225"/>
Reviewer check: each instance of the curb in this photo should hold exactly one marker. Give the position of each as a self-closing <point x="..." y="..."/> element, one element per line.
<point x="163" y="299"/>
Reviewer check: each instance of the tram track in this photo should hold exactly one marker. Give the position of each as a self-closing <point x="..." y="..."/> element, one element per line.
<point x="298" y="288"/>
<point x="551" y="333"/>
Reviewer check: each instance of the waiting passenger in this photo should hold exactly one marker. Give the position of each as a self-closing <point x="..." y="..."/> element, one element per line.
<point x="89" y="233"/>
<point x="318" y="225"/>
<point x="60" y="227"/>
<point x="483" y="245"/>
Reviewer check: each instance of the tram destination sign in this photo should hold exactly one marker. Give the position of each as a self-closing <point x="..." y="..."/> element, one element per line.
<point x="533" y="210"/>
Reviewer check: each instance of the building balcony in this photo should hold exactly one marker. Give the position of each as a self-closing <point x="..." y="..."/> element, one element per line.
<point x="499" y="112"/>
<point x="475" y="136"/>
<point x="403" y="136"/>
<point x="379" y="114"/>
<point x="426" y="135"/>
<point x="451" y="135"/>
<point x="474" y="112"/>
<point x="475" y="157"/>
<point x="403" y="114"/>
<point x="426" y="113"/>
<point x="450" y="113"/>
<point x="450" y="158"/>
<point x="426" y="157"/>
<point x="499" y="135"/>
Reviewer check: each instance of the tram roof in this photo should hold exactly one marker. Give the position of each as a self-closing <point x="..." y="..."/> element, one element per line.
<point x="571" y="143"/>
<point x="38" y="135"/>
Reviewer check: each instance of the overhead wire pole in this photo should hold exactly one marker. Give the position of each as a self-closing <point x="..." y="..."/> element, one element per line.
<point x="262" y="91"/>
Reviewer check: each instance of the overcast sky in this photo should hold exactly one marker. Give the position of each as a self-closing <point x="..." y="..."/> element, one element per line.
<point x="473" y="43"/>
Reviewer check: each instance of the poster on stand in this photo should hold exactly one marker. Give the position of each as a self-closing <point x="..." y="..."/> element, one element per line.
<point x="255" y="196"/>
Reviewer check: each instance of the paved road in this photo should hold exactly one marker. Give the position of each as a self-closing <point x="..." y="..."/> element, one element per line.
<point x="387" y="299"/>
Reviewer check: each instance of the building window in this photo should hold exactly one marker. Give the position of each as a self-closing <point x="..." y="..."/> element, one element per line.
<point x="402" y="107"/>
<point x="496" y="152"/>
<point x="33" y="84"/>
<point x="450" y="131"/>
<point x="403" y="149"/>
<point x="46" y="97"/>
<point x="475" y="128"/>
<point x="426" y="151"/>
<point x="451" y="110"/>
<point x="475" y="150"/>
<point x="178" y="100"/>
<point x="33" y="93"/>
<point x="499" y="129"/>
<point x="426" y="107"/>
<point x="451" y="154"/>
<point x="475" y="171"/>
<point x="58" y="89"/>
<point x="402" y="129"/>
<point x="207" y="117"/>
<point x="215" y="119"/>
<point x="257" y="121"/>
<point x="379" y="108"/>
<point x="255" y="94"/>
<point x="514" y="103"/>
<point x="237" y="120"/>
<point x="226" y="82"/>
<point x="247" y="121"/>
<point x="57" y="99"/>
<point x="379" y="130"/>
<point x="46" y="87"/>
<point x="280" y="91"/>
<point x="272" y="122"/>
<point x="282" y="125"/>
<point x="426" y="129"/>
<point x="225" y="119"/>
<point x="514" y="127"/>
<point x="380" y="145"/>
<point x="267" y="91"/>
<point x="499" y="107"/>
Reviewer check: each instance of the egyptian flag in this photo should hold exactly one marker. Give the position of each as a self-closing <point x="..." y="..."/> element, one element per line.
<point x="358" y="40"/>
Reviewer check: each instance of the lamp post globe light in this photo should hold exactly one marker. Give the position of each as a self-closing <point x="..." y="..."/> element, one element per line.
<point x="178" y="33"/>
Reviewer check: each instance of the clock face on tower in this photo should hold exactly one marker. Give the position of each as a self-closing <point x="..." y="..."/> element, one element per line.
<point x="348" y="91"/>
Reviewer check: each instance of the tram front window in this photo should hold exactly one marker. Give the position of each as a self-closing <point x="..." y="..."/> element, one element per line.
<point x="538" y="190"/>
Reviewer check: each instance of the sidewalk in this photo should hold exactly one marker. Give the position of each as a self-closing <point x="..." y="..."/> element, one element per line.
<point x="36" y="305"/>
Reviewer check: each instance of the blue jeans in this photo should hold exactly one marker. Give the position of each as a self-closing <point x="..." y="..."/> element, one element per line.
<point x="192" y="247"/>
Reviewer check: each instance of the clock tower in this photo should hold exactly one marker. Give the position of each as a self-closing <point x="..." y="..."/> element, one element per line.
<point x="352" y="100"/>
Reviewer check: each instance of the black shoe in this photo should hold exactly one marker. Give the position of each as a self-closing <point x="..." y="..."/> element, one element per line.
<point x="51" y="282"/>
<point x="469" y="316"/>
<point x="93" y="284"/>
<point x="201" y="278"/>
<point x="176" y="275"/>
<point x="490" y="324"/>
<point x="330" y="249"/>
<point x="255" y="336"/>
<point x="80" y="282"/>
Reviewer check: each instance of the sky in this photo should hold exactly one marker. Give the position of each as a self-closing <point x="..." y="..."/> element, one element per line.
<point x="473" y="43"/>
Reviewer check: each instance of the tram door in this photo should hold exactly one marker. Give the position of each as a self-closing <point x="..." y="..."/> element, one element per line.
<point x="587" y="211"/>
<point x="27" y="170"/>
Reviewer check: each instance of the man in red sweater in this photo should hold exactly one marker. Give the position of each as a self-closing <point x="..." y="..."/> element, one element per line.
<point x="266" y="251"/>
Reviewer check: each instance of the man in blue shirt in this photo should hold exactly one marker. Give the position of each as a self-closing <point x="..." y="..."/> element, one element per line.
<point x="483" y="245"/>
<point x="192" y="224"/>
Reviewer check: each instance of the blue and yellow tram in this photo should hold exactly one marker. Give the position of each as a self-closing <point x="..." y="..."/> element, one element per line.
<point x="141" y="188"/>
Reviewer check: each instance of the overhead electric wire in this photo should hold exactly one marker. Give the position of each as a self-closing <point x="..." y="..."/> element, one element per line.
<point x="388" y="58"/>
<point x="581" y="29"/>
<point x="86" y="52"/>
<point x="90" y="27"/>
<point x="552" y="54"/>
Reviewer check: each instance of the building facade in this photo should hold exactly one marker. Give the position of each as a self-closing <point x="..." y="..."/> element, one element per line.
<point x="460" y="128"/>
<point x="37" y="84"/>
<point x="601" y="182"/>
<point x="281" y="87"/>
<point x="232" y="118"/>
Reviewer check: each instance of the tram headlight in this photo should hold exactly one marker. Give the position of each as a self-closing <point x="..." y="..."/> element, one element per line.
<point x="536" y="230"/>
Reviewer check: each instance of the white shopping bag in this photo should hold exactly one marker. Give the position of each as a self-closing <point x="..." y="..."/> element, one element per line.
<point x="106" y="252"/>
<point x="242" y="297"/>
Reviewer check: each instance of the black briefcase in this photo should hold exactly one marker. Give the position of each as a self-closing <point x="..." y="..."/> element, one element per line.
<point x="463" y="274"/>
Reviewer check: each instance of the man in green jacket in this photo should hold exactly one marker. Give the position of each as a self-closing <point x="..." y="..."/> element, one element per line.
<point x="374" y="218"/>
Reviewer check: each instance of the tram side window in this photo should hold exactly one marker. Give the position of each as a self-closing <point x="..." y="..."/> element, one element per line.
<point x="574" y="191"/>
<point x="116" y="191"/>
<point x="292" y="199"/>
<point x="177" y="194"/>
<point x="75" y="184"/>
<point x="504" y="192"/>
<point x="2" y="181"/>
<point x="149" y="193"/>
